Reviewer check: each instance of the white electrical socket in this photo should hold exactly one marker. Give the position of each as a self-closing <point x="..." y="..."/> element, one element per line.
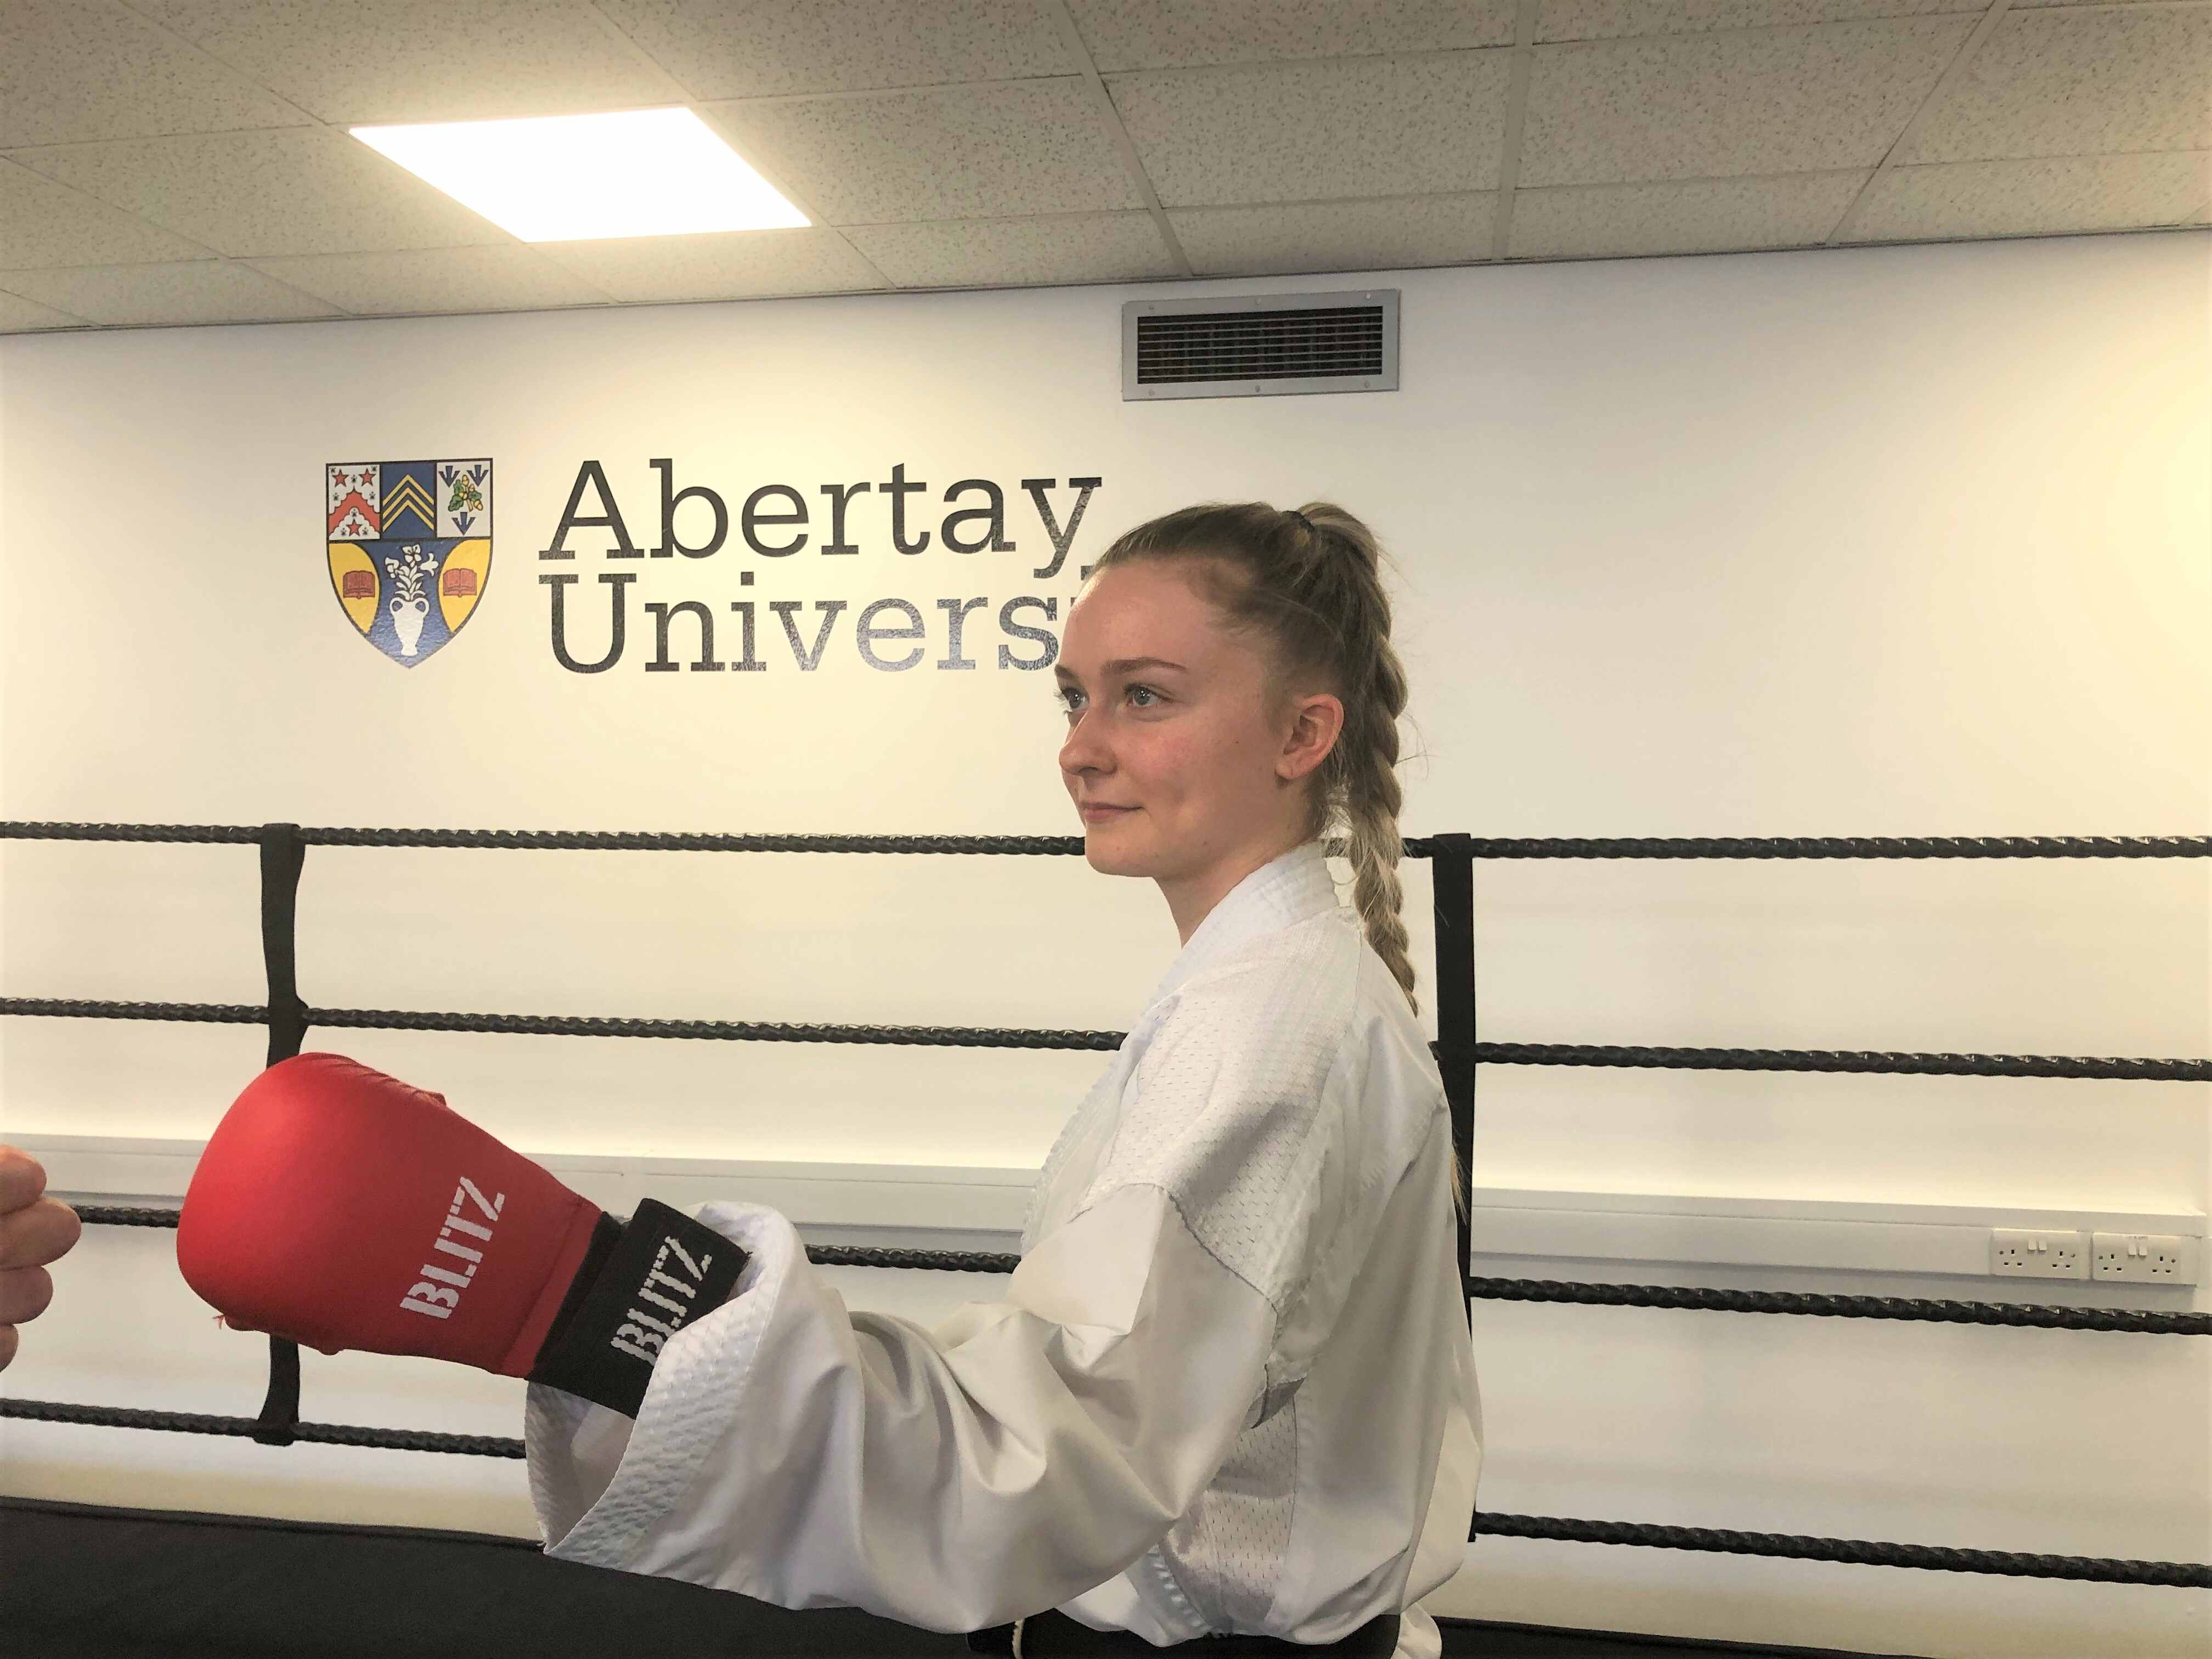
<point x="2146" y="1258"/>
<point x="2038" y="1253"/>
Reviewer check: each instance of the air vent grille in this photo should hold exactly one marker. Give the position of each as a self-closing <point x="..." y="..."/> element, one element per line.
<point x="1268" y="344"/>
<point x="1259" y="345"/>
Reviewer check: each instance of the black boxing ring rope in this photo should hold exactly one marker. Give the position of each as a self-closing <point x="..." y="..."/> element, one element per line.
<point x="1457" y="1051"/>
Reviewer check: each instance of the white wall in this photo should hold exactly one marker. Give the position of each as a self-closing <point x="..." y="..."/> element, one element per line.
<point x="1903" y="541"/>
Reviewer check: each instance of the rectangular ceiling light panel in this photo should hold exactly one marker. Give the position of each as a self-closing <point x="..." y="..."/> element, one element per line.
<point x="573" y="178"/>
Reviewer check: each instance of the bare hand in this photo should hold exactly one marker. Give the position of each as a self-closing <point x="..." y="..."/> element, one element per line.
<point x="33" y="1230"/>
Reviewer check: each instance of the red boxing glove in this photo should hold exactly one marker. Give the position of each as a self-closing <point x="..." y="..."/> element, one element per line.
<point x="341" y="1208"/>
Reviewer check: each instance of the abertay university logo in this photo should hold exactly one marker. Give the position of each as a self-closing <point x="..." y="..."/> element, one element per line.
<point x="410" y="550"/>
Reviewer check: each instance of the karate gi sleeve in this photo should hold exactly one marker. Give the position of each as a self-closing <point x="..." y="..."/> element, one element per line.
<point x="1017" y="1454"/>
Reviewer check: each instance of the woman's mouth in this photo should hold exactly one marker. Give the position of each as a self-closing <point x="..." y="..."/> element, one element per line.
<point x="1094" y="813"/>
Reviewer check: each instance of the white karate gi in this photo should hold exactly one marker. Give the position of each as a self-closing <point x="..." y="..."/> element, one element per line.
<point x="1229" y="1388"/>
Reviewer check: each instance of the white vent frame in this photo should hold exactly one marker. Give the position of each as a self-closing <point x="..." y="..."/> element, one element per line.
<point x="1386" y="380"/>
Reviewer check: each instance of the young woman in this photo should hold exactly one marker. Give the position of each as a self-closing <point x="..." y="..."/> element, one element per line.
<point x="1227" y="1393"/>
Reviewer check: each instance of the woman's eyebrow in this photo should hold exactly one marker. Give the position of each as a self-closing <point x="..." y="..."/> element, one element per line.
<point x="1122" y="666"/>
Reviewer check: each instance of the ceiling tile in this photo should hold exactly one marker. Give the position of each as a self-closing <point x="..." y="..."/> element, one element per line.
<point x="724" y="51"/>
<point x="21" y="316"/>
<point x="1594" y="19"/>
<point x="1072" y="247"/>
<point x="2043" y="196"/>
<point x="1285" y="238"/>
<point x="203" y="291"/>
<point x="1380" y="126"/>
<point x="738" y="264"/>
<point x="1725" y="105"/>
<point x="306" y="190"/>
<point x="1140" y="35"/>
<point x="438" y="279"/>
<point x="71" y="70"/>
<point x="2078" y="83"/>
<point x="419" y="60"/>
<point x="1001" y="152"/>
<point x="45" y="223"/>
<point x="1705" y="216"/>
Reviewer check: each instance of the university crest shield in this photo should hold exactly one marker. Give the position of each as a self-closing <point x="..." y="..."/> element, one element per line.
<point x="410" y="545"/>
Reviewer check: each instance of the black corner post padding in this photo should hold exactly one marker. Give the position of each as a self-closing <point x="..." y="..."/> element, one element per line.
<point x="279" y="1422"/>
<point x="1452" y="858"/>
<point x="283" y="852"/>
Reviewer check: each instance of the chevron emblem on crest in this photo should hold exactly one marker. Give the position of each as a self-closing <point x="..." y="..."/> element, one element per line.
<point x="410" y="495"/>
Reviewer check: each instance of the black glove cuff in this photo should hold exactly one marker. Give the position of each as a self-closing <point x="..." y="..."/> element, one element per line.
<point x="639" y="1285"/>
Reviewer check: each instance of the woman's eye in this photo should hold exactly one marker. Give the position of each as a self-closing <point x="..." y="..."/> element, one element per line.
<point x="1060" y="698"/>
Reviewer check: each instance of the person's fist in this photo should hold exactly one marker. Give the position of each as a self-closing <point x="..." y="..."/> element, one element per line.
<point x="33" y="1230"/>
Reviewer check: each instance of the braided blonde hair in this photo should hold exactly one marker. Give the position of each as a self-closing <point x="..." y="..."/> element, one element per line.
<point x="1309" y="585"/>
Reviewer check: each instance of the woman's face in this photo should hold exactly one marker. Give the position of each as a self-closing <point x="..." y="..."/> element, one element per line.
<point x="1166" y="723"/>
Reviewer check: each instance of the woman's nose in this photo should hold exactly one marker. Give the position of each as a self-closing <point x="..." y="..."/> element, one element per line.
<point x="1082" y="750"/>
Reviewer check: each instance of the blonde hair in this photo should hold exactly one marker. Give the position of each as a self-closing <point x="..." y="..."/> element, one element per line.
<point x="1309" y="585"/>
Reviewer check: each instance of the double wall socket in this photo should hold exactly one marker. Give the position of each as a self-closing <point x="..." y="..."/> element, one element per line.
<point x="2144" y="1258"/>
<point x="2056" y="1253"/>
<point x="2021" y="1253"/>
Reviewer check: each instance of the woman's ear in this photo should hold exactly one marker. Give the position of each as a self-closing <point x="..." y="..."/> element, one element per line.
<point x="1317" y="723"/>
